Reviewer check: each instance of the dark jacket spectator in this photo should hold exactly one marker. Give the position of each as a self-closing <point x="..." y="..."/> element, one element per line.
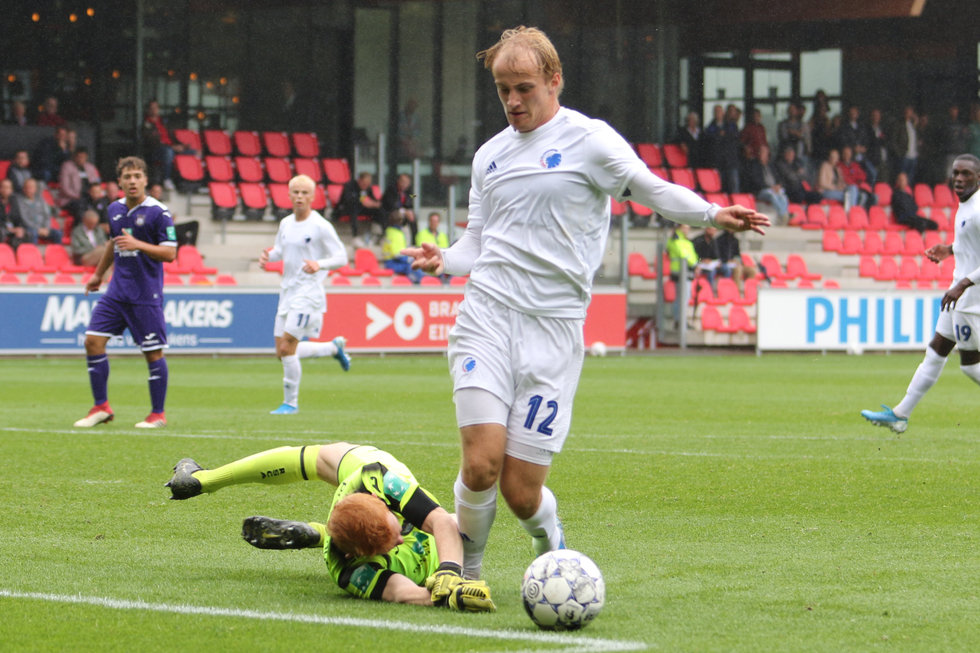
<point x="905" y="210"/>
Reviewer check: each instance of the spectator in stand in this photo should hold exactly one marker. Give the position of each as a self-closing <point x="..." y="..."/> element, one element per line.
<point x="710" y="261"/>
<point x="855" y="134"/>
<point x="680" y="249"/>
<point x="906" y="144"/>
<point x="853" y="175"/>
<point x="728" y="149"/>
<point x="88" y="240"/>
<point x="112" y="190"/>
<point x="689" y="138"/>
<point x="36" y="215"/>
<point x="711" y="140"/>
<point x="160" y="145"/>
<point x="11" y="227"/>
<point x="762" y="181"/>
<point x="821" y="133"/>
<point x="49" y="115"/>
<point x="52" y="152"/>
<point x="394" y="242"/>
<point x="398" y="197"/>
<point x="955" y="138"/>
<point x="831" y="185"/>
<point x="431" y="234"/>
<point x="18" y="115"/>
<point x="357" y="198"/>
<point x="794" y="132"/>
<point x="19" y="170"/>
<point x="97" y="200"/>
<point x="905" y="210"/>
<point x="753" y="136"/>
<point x="409" y="131"/>
<point x="877" y="154"/>
<point x="795" y="179"/>
<point x="76" y="176"/>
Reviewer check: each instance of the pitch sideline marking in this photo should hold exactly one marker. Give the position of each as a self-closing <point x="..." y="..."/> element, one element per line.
<point x="576" y="643"/>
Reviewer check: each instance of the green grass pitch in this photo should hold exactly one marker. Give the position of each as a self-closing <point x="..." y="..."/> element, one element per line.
<point x="733" y="502"/>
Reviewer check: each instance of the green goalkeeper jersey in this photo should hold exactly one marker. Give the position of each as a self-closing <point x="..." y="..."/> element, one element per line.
<point x="368" y="469"/>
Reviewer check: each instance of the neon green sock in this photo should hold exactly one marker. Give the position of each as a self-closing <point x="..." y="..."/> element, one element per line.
<point x="272" y="467"/>
<point x="321" y="529"/>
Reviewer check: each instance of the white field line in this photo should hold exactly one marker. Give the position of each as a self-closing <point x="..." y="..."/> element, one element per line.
<point x="569" y="643"/>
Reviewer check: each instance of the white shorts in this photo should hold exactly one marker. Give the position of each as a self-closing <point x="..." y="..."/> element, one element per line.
<point x="299" y="324"/>
<point x="531" y="363"/>
<point x="961" y="328"/>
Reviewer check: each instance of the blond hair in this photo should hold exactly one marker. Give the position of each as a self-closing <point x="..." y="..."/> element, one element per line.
<point x="306" y="180"/>
<point x="529" y="40"/>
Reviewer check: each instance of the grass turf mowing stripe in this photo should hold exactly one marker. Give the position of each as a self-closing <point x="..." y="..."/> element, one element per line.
<point x="571" y="642"/>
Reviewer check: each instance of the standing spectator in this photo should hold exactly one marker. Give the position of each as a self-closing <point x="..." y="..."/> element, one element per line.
<point x="393" y="245"/>
<point x="821" y="133"/>
<point x="309" y="247"/>
<point x="855" y="134"/>
<point x="955" y="139"/>
<point x="689" y="137"/>
<point x="77" y="175"/>
<point x="905" y="210"/>
<point x="853" y="175"/>
<point x="18" y="115"/>
<point x="711" y="146"/>
<point x="431" y="234"/>
<point x="533" y="243"/>
<point x="878" y="149"/>
<point x="52" y="152"/>
<point x="409" y="131"/>
<point x="727" y="147"/>
<point x="49" y="116"/>
<point x="88" y="240"/>
<point x="794" y="132"/>
<point x="142" y="235"/>
<point x="19" y="170"/>
<point x="680" y="250"/>
<point x="795" y="179"/>
<point x="753" y="136"/>
<point x="831" y="185"/>
<point x="761" y="180"/>
<point x="906" y="144"/>
<point x="357" y="198"/>
<point x="160" y="145"/>
<point x="398" y="197"/>
<point x="36" y="215"/>
<point x="11" y="227"/>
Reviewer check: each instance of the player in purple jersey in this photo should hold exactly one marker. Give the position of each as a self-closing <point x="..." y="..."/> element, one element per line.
<point x="142" y="234"/>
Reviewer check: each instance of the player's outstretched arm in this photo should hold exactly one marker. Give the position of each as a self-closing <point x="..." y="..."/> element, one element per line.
<point x="427" y="257"/>
<point x="938" y="253"/>
<point x="401" y="589"/>
<point x="445" y="532"/>
<point x="95" y="281"/>
<point x="740" y="218"/>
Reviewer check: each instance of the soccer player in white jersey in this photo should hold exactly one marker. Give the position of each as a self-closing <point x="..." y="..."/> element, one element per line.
<point x="538" y="221"/>
<point x="308" y="246"/>
<point x="959" y="320"/>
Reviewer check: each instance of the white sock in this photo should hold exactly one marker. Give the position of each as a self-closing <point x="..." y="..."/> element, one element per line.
<point x="543" y="524"/>
<point x="475" y="512"/>
<point x="307" y="349"/>
<point x="292" y="373"/>
<point x="972" y="371"/>
<point x="924" y="378"/>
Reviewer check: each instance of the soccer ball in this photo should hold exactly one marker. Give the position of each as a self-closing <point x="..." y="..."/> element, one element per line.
<point x="563" y="590"/>
<point x="598" y="348"/>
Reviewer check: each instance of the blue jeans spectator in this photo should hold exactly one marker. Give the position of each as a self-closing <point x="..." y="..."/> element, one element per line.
<point x="403" y="265"/>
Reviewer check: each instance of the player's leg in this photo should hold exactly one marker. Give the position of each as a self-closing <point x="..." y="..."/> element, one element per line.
<point x="269" y="533"/>
<point x="967" y="327"/>
<point x="475" y="489"/>
<point x="149" y="328"/>
<point x="272" y="467"/>
<point x="334" y="348"/>
<point x="106" y="321"/>
<point x="522" y="484"/>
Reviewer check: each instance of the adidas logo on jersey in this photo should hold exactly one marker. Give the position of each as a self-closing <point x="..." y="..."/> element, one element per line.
<point x="491" y="167"/>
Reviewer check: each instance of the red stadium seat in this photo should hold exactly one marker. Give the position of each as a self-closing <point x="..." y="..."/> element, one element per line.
<point x="887" y="269"/>
<point x="908" y="269"/>
<point x="9" y="278"/>
<point x="401" y="280"/>
<point x="172" y="280"/>
<point x="674" y="155"/>
<point x="64" y="279"/>
<point x="189" y="138"/>
<point x="914" y="245"/>
<point x="853" y="244"/>
<point x="200" y="280"/>
<point x="57" y="258"/>
<point x="867" y="267"/>
<point x="254" y="198"/>
<point x="637" y="266"/>
<point x="247" y="143"/>
<point x="711" y="320"/>
<point x="274" y="266"/>
<point x="8" y="260"/>
<point x="639" y="210"/>
<point x="928" y="271"/>
<point x="366" y="262"/>
<point x="36" y="278"/>
<point x="225" y="280"/>
<point x="857" y="218"/>
<point x="336" y="170"/>
<point x="738" y="320"/>
<point x="709" y="180"/>
<point x="832" y="242"/>
<point x="922" y="193"/>
<point x="190" y="259"/>
<point x="940" y="217"/>
<point x="4" y="167"/>
<point x="773" y="267"/>
<point x="873" y="244"/>
<point x="943" y="196"/>
<point x="745" y="199"/>
<point x="334" y="191"/>
<point x="660" y="172"/>
<point x="727" y="292"/>
<point x="281" y="204"/>
<point x="836" y="217"/>
<point x="276" y="144"/>
<point x="683" y="177"/>
<point x="339" y="280"/>
<point x="29" y="258"/>
<point x="217" y="142"/>
<point x="249" y="169"/>
<point x="796" y="269"/>
<point x="932" y="238"/>
<point x="831" y="284"/>
<point x="894" y="244"/>
<point x="309" y="167"/>
<point x="224" y="199"/>
<point x="320" y="199"/>
<point x="617" y="209"/>
<point x="429" y="280"/>
<point x="650" y="154"/>
<point x="219" y="168"/>
<point x="946" y="269"/>
<point x="305" y="144"/>
<point x="278" y="169"/>
<point x="721" y="199"/>
<point x="884" y="193"/>
<point x="189" y="169"/>
<point x="816" y="217"/>
<point x="369" y="280"/>
<point x="458" y="281"/>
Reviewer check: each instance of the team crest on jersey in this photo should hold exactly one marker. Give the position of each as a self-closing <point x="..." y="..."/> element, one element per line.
<point x="469" y="364"/>
<point x="551" y="159"/>
<point x="140" y="219"/>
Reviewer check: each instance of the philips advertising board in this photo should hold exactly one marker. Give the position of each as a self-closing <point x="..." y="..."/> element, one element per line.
<point x="790" y="319"/>
<point x="239" y="320"/>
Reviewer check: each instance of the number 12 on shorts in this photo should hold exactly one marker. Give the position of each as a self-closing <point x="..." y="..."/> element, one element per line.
<point x="534" y="404"/>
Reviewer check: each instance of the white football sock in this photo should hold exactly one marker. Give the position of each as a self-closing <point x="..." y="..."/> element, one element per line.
<point x="307" y="349"/>
<point x="972" y="371"/>
<point x="292" y="373"/>
<point x="475" y="512"/>
<point x="924" y="378"/>
<point x="543" y="524"/>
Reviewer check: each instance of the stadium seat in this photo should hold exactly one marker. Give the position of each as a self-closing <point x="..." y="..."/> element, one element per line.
<point x="711" y="320"/>
<point x="721" y="199"/>
<point x="670" y="290"/>
<point x="189" y="138"/>
<point x="873" y="244"/>
<point x="914" y="245"/>
<point x="309" y="167"/>
<point x="908" y="269"/>
<point x="58" y="258"/>
<point x="334" y="191"/>
<point x="745" y="199"/>
<point x="894" y="244"/>
<point x="637" y="266"/>
<point x="401" y="280"/>
<point x="36" y="278"/>
<point x="816" y="217"/>
<point x="928" y="271"/>
<point x="365" y="261"/>
<point x="4" y="167"/>
<point x="9" y="278"/>
<point x="64" y="279"/>
<point x="217" y="142"/>
<point x="254" y="199"/>
<point x="750" y="293"/>
<point x="29" y="258"/>
<point x="852" y="244"/>
<point x="922" y="193"/>
<point x="884" y="193"/>
<point x="249" y="169"/>
<point x="683" y="177"/>
<point x="370" y="280"/>
<point x="8" y="260"/>
<point x="281" y="204"/>
<point x="727" y="293"/>
<point x="274" y="266"/>
<point x="190" y="259"/>
<point x="219" y="168"/>
<point x="172" y="280"/>
<point x="639" y="210"/>
<point x="709" y="180"/>
<point x="458" y="281"/>
<point x="429" y="280"/>
<point x="773" y="267"/>
<point x="339" y="280"/>
<point x="857" y="218"/>
<point x="738" y="320"/>
<point x="225" y="280"/>
<point x="224" y="200"/>
<point x="867" y="267"/>
<point x="278" y="169"/>
<point x="946" y="269"/>
<point x="943" y="196"/>
<point x="336" y="170"/>
<point x="931" y="239"/>
<point x="674" y="155"/>
<point x="836" y="217"/>
<point x="831" y="284"/>
<point x="797" y="214"/>
<point x="832" y="242"/>
<point x="701" y="292"/>
<point x="276" y="144"/>
<point x="661" y="172"/>
<point x="796" y="269"/>
<point x="247" y="143"/>
<point x="305" y="144"/>
<point x="320" y="199"/>
<point x="940" y="216"/>
<point x="887" y="269"/>
<point x="190" y="171"/>
<point x="200" y="280"/>
<point x="650" y="154"/>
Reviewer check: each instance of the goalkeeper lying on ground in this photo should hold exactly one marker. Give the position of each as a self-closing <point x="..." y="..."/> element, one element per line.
<point x="385" y="537"/>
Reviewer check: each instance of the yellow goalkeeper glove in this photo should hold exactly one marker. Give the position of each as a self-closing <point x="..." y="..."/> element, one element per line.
<point x="471" y="596"/>
<point x="442" y="583"/>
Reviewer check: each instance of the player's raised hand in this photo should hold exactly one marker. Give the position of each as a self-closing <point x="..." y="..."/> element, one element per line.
<point x="938" y="253"/>
<point x="740" y="218"/>
<point x="472" y="596"/>
<point x="427" y="258"/>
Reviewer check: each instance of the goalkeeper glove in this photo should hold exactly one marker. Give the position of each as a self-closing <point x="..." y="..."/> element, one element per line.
<point x="471" y="596"/>
<point x="442" y="583"/>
